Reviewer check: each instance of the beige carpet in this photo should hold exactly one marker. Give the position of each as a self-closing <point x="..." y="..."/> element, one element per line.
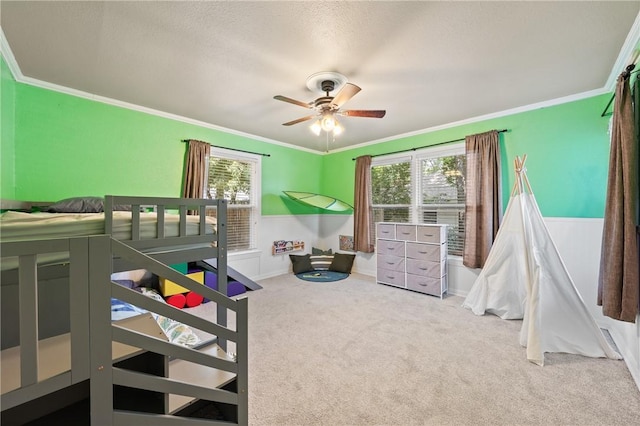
<point x="358" y="353"/>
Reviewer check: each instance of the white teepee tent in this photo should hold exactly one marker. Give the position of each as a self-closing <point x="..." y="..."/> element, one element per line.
<point x="525" y="278"/>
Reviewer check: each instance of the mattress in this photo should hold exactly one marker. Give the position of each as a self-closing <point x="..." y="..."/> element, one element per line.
<point x="19" y="226"/>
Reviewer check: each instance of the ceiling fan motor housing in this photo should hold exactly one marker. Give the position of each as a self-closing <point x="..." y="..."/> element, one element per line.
<point x="328" y="86"/>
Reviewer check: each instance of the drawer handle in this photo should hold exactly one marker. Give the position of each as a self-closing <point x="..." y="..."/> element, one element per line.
<point x="423" y="252"/>
<point x="406" y="233"/>
<point x="390" y="263"/>
<point x="424" y="269"/>
<point x="391" y="248"/>
<point x="390" y="276"/>
<point x="428" y="235"/>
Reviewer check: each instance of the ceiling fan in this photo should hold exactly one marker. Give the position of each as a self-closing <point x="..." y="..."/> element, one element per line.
<point x="328" y="107"/>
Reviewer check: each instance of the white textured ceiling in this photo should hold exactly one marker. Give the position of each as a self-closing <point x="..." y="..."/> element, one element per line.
<point x="427" y="63"/>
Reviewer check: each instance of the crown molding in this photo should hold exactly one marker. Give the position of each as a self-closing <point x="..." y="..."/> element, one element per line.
<point x="504" y="113"/>
<point x="7" y="54"/>
<point x="21" y="78"/>
<point x="632" y="40"/>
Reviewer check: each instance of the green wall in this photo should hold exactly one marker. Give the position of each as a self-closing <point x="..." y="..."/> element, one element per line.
<point x="70" y="146"/>
<point x="7" y="132"/>
<point x="567" y="149"/>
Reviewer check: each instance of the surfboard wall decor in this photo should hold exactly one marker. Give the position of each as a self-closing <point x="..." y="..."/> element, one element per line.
<point x="321" y="201"/>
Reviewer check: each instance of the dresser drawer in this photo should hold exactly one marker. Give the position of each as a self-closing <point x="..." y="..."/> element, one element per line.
<point x="425" y="267"/>
<point x="406" y="232"/>
<point x="391" y="263"/>
<point x="424" y="251"/>
<point x="427" y="285"/>
<point x="394" y="248"/>
<point x="430" y="234"/>
<point x="386" y="230"/>
<point x="390" y="277"/>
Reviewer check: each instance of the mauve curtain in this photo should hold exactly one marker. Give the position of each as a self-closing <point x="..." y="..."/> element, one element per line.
<point x="196" y="169"/>
<point x="619" y="279"/>
<point x="482" y="207"/>
<point x="362" y="210"/>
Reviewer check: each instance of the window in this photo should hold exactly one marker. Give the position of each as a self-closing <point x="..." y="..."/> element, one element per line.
<point x="234" y="177"/>
<point x="426" y="187"/>
<point x="391" y="191"/>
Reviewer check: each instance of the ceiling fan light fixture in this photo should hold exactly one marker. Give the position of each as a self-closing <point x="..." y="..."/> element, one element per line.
<point x="338" y="129"/>
<point x="326" y="107"/>
<point x="328" y="122"/>
<point x="316" y="128"/>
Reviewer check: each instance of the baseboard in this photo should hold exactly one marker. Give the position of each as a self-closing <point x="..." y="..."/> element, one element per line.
<point x="271" y="275"/>
<point x="628" y="354"/>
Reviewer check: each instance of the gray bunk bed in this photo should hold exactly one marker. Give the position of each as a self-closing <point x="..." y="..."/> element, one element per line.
<point x="66" y="351"/>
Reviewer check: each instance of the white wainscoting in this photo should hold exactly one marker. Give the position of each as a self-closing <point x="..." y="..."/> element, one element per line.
<point x="260" y="264"/>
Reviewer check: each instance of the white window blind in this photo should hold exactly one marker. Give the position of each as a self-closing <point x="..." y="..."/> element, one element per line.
<point x="426" y="187"/>
<point x="442" y="196"/>
<point x="233" y="177"/>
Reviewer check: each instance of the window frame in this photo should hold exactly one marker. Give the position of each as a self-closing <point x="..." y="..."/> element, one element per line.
<point x="415" y="158"/>
<point x="255" y="191"/>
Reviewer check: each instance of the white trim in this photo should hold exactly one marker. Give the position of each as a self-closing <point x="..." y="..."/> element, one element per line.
<point x="480" y="118"/>
<point x="632" y="39"/>
<point x="384" y="160"/>
<point x="256" y="189"/>
<point x="244" y="254"/>
<point x="410" y="155"/>
<point x="233" y="154"/>
<point x="626" y="55"/>
<point x="6" y="52"/>
<point x="441" y="150"/>
<point x="20" y="78"/>
<point x="151" y="111"/>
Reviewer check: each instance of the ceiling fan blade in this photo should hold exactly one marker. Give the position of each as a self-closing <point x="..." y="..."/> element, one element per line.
<point x="299" y="120"/>
<point x="373" y="113"/>
<point x="292" y="101"/>
<point x="347" y="92"/>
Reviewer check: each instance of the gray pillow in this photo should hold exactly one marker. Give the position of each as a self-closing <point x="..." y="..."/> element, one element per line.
<point x="317" y="251"/>
<point x="83" y="205"/>
<point x="78" y="205"/>
<point x="342" y="262"/>
<point x="301" y="263"/>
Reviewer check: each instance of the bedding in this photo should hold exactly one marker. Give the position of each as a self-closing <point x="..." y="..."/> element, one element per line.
<point x="82" y="205"/>
<point x="175" y="331"/>
<point x="19" y="226"/>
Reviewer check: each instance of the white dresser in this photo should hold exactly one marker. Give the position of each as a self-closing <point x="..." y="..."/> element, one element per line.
<point x="412" y="256"/>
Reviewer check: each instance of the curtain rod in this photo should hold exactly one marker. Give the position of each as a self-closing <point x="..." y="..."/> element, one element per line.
<point x="625" y="74"/>
<point x="426" y="146"/>
<point x="231" y="149"/>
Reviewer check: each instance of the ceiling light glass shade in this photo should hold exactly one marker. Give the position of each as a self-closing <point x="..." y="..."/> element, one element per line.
<point x="328" y="122"/>
<point x="338" y="129"/>
<point x="316" y="128"/>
